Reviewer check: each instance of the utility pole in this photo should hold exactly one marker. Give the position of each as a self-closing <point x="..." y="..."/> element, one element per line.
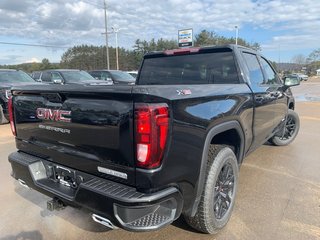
<point x="236" y="27"/>
<point x="116" y="30"/>
<point x="106" y="32"/>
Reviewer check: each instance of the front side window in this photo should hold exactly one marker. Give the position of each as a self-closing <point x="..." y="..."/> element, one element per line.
<point x="271" y="77"/>
<point x="105" y="76"/>
<point x="255" y="72"/>
<point x="56" y="76"/>
<point x="46" y="77"/>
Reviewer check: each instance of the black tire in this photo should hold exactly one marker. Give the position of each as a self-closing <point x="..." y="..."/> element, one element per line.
<point x="290" y="131"/>
<point x="2" y="117"/>
<point x="213" y="214"/>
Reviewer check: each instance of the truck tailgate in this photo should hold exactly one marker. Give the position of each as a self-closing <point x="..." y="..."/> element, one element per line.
<point x="88" y="128"/>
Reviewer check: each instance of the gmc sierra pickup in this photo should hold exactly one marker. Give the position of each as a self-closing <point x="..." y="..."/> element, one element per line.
<point x="139" y="156"/>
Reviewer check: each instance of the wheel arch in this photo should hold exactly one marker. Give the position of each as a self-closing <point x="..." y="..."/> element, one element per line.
<point x="291" y="105"/>
<point x="218" y="135"/>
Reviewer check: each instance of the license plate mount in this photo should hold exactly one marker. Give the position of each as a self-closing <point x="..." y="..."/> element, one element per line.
<point x="65" y="176"/>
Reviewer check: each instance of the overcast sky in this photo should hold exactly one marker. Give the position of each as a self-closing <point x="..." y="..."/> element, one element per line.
<point x="283" y="28"/>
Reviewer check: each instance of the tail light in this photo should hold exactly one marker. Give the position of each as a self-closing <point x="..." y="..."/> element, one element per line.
<point x="151" y="131"/>
<point x="11" y="117"/>
<point x="7" y="94"/>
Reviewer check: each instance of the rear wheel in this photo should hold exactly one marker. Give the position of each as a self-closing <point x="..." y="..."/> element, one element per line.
<point x="290" y="131"/>
<point x="2" y="117"/>
<point x="219" y="191"/>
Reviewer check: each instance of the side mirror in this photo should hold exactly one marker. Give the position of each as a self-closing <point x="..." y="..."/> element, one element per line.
<point x="291" y="81"/>
<point x="57" y="81"/>
<point x="109" y="79"/>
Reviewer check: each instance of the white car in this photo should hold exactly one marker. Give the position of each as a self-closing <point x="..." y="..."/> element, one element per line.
<point x="301" y="76"/>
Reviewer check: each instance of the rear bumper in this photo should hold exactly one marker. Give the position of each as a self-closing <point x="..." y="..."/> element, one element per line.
<point x="124" y="206"/>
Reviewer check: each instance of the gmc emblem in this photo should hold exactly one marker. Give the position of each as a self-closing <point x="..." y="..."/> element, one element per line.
<point x="54" y="115"/>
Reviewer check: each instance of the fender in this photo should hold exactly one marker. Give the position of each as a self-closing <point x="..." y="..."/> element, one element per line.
<point x="213" y="132"/>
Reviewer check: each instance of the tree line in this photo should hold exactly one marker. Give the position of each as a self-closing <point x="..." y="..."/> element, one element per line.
<point x="94" y="57"/>
<point x="89" y="57"/>
<point x="313" y="61"/>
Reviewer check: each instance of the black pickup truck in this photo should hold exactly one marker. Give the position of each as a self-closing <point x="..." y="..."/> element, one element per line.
<point x="139" y="156"/>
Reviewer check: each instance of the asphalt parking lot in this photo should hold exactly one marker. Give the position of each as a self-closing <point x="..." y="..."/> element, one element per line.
<point x="278" y="195"/>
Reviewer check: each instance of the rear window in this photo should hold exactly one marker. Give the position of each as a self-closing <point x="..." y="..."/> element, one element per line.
<point x="203" y="68"/>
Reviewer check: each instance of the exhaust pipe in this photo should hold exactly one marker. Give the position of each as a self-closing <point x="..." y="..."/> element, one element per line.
<point x="23" y="183"/>
<point x="103" y="221"/>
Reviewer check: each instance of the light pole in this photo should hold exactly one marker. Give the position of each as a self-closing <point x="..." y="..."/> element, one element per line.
<point x="236" y="27"/>
<point x="106" y="32"/>
<point x="116" y="30"/>
<point x="279" y="54"/>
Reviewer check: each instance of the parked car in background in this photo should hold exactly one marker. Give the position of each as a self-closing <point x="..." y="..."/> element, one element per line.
<point x="293" y="76"/>
<point x="302" y="77"/>
<point x="63" y="76"/>
<point x="116" y="76"/>
<point x="36" y="75"/>
<point x="133" y="73"/>
<point x="10" y="78"/>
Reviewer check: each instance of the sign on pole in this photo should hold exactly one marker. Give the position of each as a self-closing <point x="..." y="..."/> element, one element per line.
<point x="185" y="38"/>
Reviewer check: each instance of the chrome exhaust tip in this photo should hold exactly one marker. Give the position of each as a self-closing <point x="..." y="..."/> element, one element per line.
<point x="103" y="221"/>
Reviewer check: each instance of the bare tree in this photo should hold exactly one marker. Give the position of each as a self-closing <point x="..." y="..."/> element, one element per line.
<point x="315" y="55"/>
<point x="299" y="59"/>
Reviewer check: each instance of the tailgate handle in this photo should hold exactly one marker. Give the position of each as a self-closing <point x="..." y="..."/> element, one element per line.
<point x="53" y="97"/>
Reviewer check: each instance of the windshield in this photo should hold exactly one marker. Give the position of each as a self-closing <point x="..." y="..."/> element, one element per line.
<point x="14" y="76"/>
<point x="122" y="76"/>
<point x="76" y="76"/>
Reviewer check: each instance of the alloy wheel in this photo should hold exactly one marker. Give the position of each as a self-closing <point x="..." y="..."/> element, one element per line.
<point x="223" y="191"/>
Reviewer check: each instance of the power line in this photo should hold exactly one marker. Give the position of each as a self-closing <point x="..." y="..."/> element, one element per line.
<point x="33" y="45"/>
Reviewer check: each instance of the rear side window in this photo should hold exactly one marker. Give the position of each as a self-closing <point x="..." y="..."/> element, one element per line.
<point x="202" y="68"/>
